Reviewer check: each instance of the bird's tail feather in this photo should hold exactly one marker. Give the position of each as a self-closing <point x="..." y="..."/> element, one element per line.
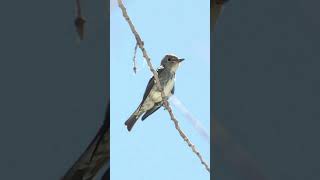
<point x="132" y="120"/>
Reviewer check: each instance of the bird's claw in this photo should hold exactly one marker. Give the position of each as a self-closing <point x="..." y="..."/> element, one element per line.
<point x="166" y="98"/>
<point x="165" y="103"/>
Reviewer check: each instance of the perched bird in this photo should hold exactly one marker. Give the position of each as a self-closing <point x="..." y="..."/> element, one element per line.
<point x="152" y="99"/>
<point x="95" y="158"/>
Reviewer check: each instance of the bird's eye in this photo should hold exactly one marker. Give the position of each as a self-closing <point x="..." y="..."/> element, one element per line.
<point x="169" y="59"/>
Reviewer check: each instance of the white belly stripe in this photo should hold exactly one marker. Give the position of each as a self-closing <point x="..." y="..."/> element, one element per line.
<point x="168" y="87"/>
<point x="156" y="97"/>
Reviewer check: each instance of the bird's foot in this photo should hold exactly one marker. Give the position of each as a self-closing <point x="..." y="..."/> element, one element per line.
<point x="165" y="102"/>
<point x="166" y="98"/>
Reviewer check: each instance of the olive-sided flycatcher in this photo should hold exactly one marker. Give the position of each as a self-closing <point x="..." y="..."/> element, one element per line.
<point x="152" y="99"/>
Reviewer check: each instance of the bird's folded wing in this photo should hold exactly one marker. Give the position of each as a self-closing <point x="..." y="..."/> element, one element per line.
<point x="95" y="157"/>
<point x="151" y="83"/>
<point x="152" y="110"/>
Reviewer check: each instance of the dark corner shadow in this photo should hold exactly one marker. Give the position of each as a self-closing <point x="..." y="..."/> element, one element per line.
<point x="228" y="155"/>
<point x="96" y="157"/>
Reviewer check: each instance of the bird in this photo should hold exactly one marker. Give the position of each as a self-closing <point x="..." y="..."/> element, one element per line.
<point x="96" y="156"/>
<point x="152" y="99"/>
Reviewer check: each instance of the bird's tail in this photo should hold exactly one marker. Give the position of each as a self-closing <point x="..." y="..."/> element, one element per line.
<point x="132" y="119"/>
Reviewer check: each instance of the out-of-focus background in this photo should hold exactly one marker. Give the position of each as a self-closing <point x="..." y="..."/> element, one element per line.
<point x="53" y="93"/>
<point x="267" y="56"/>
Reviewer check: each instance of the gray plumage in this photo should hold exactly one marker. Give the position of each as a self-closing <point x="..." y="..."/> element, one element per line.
<point x="152" y="99"/>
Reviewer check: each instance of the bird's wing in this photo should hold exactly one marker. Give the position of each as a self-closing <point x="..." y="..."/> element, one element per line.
<point x="152" y="110"/>
<point x="151" y="83"/>
<point x="95" y="157"/>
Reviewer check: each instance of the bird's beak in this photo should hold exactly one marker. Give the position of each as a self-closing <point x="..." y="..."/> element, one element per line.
<point x="180" y="60"/>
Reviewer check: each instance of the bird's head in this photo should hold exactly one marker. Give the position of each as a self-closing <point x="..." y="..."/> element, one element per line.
<point x="171" y="62"/>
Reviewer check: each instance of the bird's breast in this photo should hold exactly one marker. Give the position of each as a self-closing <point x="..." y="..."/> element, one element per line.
<point x="168" y="88"/>
<point x="156" y="95"/>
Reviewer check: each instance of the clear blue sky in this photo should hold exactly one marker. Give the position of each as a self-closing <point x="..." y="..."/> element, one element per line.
<point x="153" y="150"/>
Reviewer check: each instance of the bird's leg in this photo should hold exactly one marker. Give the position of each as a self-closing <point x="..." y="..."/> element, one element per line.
<point x="166" y="98"/>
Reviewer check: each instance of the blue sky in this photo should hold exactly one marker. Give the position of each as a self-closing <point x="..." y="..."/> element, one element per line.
<point x="153" y="150"/>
